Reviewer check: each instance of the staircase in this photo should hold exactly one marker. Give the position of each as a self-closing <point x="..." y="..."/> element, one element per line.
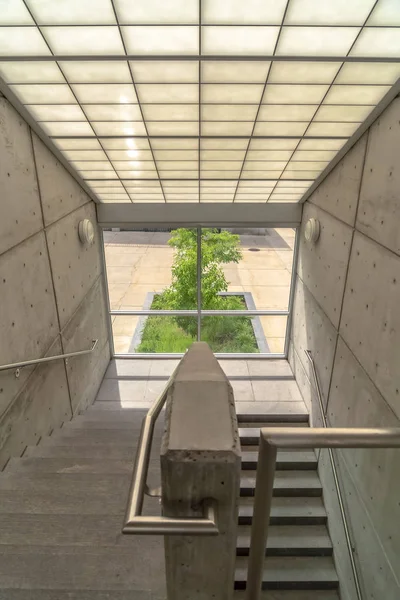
<point x="62" y="506"/>
<point x="299" y="563"/>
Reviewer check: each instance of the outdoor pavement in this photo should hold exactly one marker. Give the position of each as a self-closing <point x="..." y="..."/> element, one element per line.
<point x="140" y="262"/>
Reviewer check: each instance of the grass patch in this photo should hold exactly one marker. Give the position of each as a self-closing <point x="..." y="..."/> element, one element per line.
<point x="223" y="334"/>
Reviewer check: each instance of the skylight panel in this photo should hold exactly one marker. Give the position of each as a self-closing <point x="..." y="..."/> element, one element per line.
<point x="157" y="11"/>
<point x="294" y="94"/>
<point x="321" y="144"/>
<point x="113" y="112"/>
<point x="130" y="154"/>
<point x="303" y="72"/>
<point x="173" y="112"/>
<point x="14" y="12"/>
<point x="162" y="40"/>
<point x="223" y="154"/>
<point x="269" y="155"/>
<point x="73" y="41"/>
<point x="226" y="128"/>
<point x="253" y="165"/>
<point x="264" y="174"/>
<point x="109" y="93"/>
<point x="378" y="73"/>
<point x="328" y="12"/>
<point x="334" y="129"/>
<point x="242" y="41"/>
<point x="77" y="144"/>
<point x="136" y="165"/>
<point x="66" y="128"/>
<point x="386" y="12"/>
<point x="343" y="113"/>
<point x="374" y="41"/>
<point x="287" y="112"/>
<point x="102" y="71"/>
<point x="168" y="93"/>
<point x="44" y="94"/>
<point x="231" y="94"/>
<point x="229" y="112"/>
<point x="277" y="144"/>
<point x="269" y="12"/>
<point x="30" y="72"/>
<point x="93" y="165"/>
<point x="174" y="144"/>
<point x="316" y="41"/>
<point x="98" y="175"/>
<point x="176" y="154"/>
<point x="72" y="12"/>
<point x="118" y="128"/>
<point x="56" y="112"/>
<point x="313" y="155"/>
<point x="275" y="128"/>
<point x="165" y="71"/>
<point x="172" y="128"/>
<point x="234" y="71"/>
<point x="22" y="41"/>
<point x="223" y="165"/>
<point x="86" y="155"/>
<point x="228" y="144"/>
<point x="129" y="144"/>
<point x="355" y="94"/>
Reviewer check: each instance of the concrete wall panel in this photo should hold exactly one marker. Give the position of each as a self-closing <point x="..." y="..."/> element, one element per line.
<point x="60" y="193"/>
<point x="371" y="316"/>
<point x="41" y="406"/>
<point x="336" y="529"/>
<point x="85" y="373"/>
<point x="379" y="578"/>
<point x="338" y="193"/>
<point x="75" y="266"/>
<point x="355" y="401"/>
<point x="322" y="266"/>
<point x="307" y="390"/>
<point x="20" y="206"/>
<point x="312" y="330"/>
<point x="28" y="318"/>
<point x="379" y="211"/>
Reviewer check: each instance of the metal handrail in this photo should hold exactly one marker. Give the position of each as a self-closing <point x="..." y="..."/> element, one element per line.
<point x="135" y="522"/>
<point x="346" y="527"/>
<point x="35" y="361"/>
<point x="292" y="437"/>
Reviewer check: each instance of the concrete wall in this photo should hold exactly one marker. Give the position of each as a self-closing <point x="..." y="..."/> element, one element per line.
<point x="347" y="312"/>
<point x="51" y="290"/>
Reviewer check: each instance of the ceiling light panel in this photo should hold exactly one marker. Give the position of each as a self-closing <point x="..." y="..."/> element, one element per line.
<point x="112" y="128"/>
<point x="231" y="93"/>
<point x="288" y="112"/>
<point x="129" y="144"/>
<point x="243" y="41"/>
<point x="44" y="94"/>
<point x="56" y="112"/>
<point x="73" y="41"/>
<point x="85" y="155"/>
<point x="107" y="93"/>
<point x="355" y="94"/>
<point x="303" y="72"/>
<point x="386" y="12"/>
<point x="77" y="144"/>
<point x="276" y="144"/>
<point x="373" y="73"/>
<point x="169" y="40"/>
<point x="343" y="113"/>
<point x="229" y="112"/>
<point x="173" y="112"/>
<point x="67" y="128"/>
<point x="173" y="128"/>
<point x="294" y="94"/>
<point x="113" y="112"/>
<point x="168" y="93"/>
<point x="282" y="128"/>
<point x="332" y="129"/>
<point x="226" y="128"/>
<point x="378" y="42"/>
<point x="269" y="12"/>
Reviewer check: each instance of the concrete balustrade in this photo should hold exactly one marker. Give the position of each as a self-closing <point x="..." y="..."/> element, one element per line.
<point x="200" y="458"/>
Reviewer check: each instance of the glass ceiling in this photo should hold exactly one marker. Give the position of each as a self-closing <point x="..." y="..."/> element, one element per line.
<point x="199" y="100"/>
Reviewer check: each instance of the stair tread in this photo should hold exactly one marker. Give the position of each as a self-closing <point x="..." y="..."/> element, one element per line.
<point x="74" y="465"/>
<point x="287" y="595"/>
<point x="90" y="568"/>
<point x="96" y="451"/>
<point x="289" y="536"/>
<point x="58" y="594"/>
<point x="297" y="458"/>
<point x="284" y="479"/>
<point x="86" y="437"/>
<point x="291" y="569"/>
<point x="291" y="507"/>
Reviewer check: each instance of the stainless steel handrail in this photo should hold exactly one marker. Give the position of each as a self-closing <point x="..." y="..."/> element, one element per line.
<point x="293" y="437"/>
<point x="35" y="361"/>
<point x="135" y="522"/>
<point x="350" y="545"/>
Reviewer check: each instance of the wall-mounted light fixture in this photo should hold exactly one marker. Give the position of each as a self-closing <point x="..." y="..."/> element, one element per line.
<point x="312" y="231"/>
<point x="86" y="232"/>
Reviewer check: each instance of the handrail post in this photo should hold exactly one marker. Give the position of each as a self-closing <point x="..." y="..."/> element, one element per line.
<point x="261" y="516"/>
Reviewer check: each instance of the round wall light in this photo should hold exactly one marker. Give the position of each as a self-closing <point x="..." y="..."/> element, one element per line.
<point x="312" y="230"/>
<point x="86" y="232"/>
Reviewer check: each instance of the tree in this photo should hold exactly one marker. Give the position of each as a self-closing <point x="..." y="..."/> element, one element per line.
<point x="217" y="248"/>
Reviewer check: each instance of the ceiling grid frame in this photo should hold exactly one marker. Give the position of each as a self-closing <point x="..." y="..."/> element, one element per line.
<point x="279" y="115"/>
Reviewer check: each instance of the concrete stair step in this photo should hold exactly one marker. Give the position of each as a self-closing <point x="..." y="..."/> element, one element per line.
<point x="74" y="465"/>
<point x="41" y="594"/>
<point x="85" y="437"/>
<point x="286" y="483"/>
<point x="108" y="568"/>
<point x="300" y="510"/>
<point x="289" y="540"/>
<point x="97" y="451"/>
<point x="286" y="460"/>
<point x="65" y="482"/>
<point x="300" y="573"/>
<point x="284" y="595"/>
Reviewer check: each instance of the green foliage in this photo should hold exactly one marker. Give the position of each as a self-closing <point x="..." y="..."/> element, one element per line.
<point x="176" y="334"/>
